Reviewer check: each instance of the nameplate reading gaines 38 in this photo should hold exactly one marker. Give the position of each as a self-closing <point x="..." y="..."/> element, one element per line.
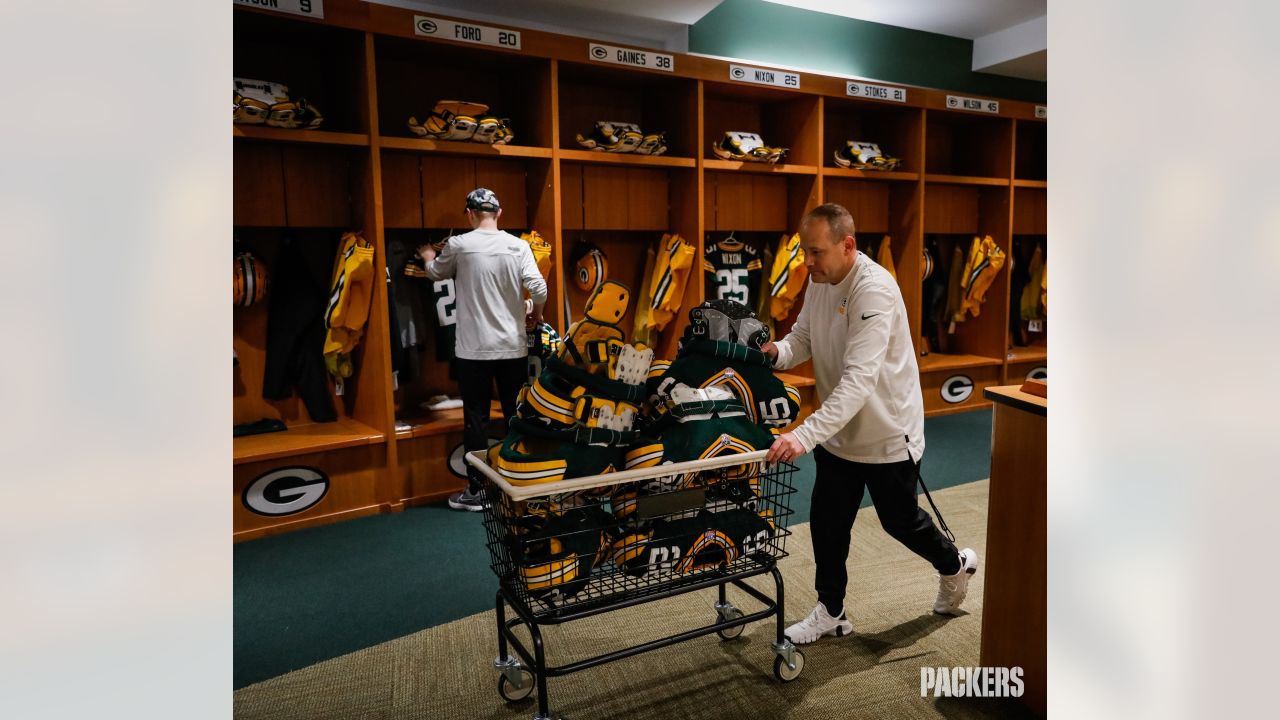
<point x="306" y="8"/>
<point x="632" y="57"/>
<point x="764" y="76"/>
<point x="466" y="32"/>
<point x="876" y="92"/>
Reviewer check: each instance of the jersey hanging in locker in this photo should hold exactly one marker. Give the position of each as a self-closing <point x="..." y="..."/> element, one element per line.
<point x="786" y="279"/>
<point x="672" y="262"/>
<point x="349" y="296"/>
<point x="442" y="304"/>
<point x="732" y="269"/>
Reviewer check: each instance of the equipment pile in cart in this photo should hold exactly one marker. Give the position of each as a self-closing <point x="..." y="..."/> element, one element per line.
<point x="625" y="480"/>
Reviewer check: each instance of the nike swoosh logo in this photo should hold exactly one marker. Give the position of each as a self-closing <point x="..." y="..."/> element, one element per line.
<point x="865" y="316"/>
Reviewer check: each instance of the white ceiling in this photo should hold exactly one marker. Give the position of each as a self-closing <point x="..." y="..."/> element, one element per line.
<point x="969" y="19"/>
<point x="664" y="23"/>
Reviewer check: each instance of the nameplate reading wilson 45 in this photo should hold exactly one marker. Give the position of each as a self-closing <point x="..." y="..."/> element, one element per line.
<point x="466" y="32"/>
<point x="632" y="57"/>
<point x="957" y="102"/>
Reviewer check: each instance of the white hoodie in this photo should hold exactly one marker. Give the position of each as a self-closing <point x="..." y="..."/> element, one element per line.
<point x="864" y="363"/>
<point x="491" y="268"/>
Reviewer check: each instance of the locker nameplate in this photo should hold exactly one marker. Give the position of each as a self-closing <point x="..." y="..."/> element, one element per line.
<point x="466" y="32"/>
<point x="305" y="8"/>
<point x="632" y="57"/>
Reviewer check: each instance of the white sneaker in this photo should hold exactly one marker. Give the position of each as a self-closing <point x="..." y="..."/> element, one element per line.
<point x="817" y="625"/>
<point x="953" y="588"/>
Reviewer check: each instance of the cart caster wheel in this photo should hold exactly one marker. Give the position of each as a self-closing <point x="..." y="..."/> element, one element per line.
<point x="784" y="673"/>
<point x="733" y="632"/>
<point x="510" y="692"/>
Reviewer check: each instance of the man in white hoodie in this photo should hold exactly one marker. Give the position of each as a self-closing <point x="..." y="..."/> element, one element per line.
<point x="492" y="269"/>
<point x="869" y="429"/>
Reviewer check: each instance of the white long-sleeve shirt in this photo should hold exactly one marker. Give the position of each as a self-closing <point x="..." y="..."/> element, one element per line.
<point x="490" y="267"/>
<point x="868" y="383"/>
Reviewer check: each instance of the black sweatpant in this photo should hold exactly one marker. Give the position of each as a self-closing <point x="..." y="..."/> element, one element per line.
<point x="837" y="493"/>
<point x="475" y="381"/>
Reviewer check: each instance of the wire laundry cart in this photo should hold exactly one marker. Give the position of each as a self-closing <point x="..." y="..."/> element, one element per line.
<point x="577" y="548"/>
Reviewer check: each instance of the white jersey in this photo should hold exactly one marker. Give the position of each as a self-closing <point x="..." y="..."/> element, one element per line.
<point x="491" y="268"/>
<point x="864" y="365"/>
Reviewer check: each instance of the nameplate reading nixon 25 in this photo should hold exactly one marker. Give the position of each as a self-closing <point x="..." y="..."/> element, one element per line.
<point x="466" y="32"/>
<point x="632" y="57"/>
<point x="764" y="76"/>
<point x="308" y="8"/>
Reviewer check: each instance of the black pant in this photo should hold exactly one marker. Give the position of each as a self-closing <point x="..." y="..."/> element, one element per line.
<point x="837" y="493"/>
<point x="475" y="381"/>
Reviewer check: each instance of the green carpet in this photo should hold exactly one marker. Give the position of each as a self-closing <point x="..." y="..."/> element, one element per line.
<point x="315" y="594"/>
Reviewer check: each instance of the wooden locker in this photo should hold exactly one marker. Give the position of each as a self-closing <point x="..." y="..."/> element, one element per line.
<point x="733" y="202"/>
<point x="768" y="203"/>
<point x="506" y="178"/>
<point x="445" y="184"/>
<point x="571" y="196"/>
<point x="604" y="198"/>
<point x="401" y="191"/>
<point x="258" y="190"/>
<point x="647" y="199"/>
<point x="317" y="187"/>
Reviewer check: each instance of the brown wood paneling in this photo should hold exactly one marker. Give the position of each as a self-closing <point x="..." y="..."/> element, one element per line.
<point x="506" y="178"/>
<point x="1030" y="212"/>
<point x="401" y="191"/>
<point x="950" y="208"/>
<point x="906" y="224"/>
<point x="604" y="197"/>
<point x="354" y="475"/>
<point x="733" y="201"/>
<point x="685" y="210"/>
<point x="445" y="184"/>
<point x="571" y="196"/>
<point x="868" y="202"/>
<point x="317" y="187"/>
<point x="647" y="199"/>
<point x="795" y="124"/>
<point x="710" y="204"/>
<point x="258" y="190"/>
<point x="1015" y="590"/>
<point x="981" y="377"/>
<point x="424" y="465"/>
<point x="768" y="203"/>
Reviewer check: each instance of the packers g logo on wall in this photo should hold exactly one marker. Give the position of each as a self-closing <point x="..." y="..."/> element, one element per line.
<point x="957" y="388"/>
<point x="285" y="491"/>
<point x="1039" y="373"/>
<point x="426" y="27"/>
<point x="457" y="458"/>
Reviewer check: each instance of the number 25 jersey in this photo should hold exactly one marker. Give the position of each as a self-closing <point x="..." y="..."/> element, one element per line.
<point x="732" y="270"/>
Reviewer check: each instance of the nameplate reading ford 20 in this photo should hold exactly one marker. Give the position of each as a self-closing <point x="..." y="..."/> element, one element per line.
<point x="632" y="57"/>
<point x="764" y="76"/>
<point x="466" y="32"/>
<point x="306" y="8"/>
<point x="876" y="92"/>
